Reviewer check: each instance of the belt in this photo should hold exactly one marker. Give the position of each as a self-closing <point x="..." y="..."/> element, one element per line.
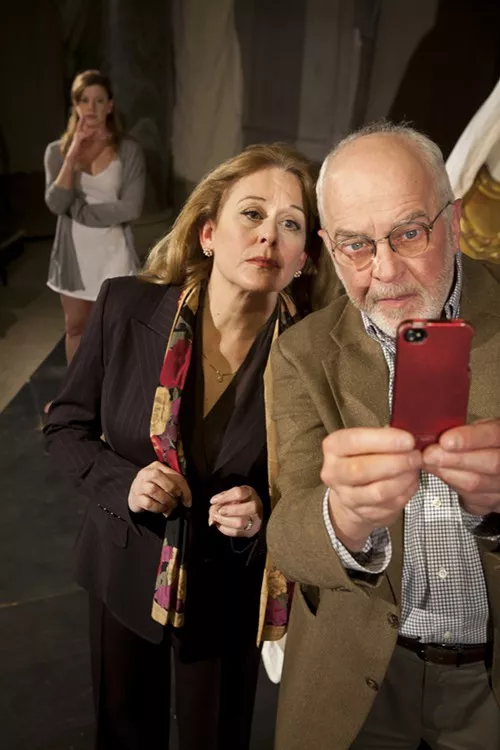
<point x="454" y="655"/>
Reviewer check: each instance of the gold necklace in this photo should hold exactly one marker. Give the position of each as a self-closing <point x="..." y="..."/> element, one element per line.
<point x="218" y="374"/>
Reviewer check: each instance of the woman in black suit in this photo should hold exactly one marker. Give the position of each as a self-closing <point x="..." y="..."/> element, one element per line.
<point x="161" y="421"/>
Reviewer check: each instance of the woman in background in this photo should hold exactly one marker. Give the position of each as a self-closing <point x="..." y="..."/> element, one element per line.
<point x="161" y="421"/>
<point x="95" y="186"/>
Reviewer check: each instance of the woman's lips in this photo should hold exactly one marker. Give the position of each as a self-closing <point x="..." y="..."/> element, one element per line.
<point x="264" y="263"/>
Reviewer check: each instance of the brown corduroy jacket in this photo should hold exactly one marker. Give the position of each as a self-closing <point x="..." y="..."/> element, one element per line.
<point x="328" y="374"/>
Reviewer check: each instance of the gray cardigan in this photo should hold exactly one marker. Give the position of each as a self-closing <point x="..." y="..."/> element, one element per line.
<point x="69" y="205"/>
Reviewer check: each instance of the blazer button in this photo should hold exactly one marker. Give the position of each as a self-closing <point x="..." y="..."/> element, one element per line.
<point x="393" y="620"/>
<point x="372" y="683"/>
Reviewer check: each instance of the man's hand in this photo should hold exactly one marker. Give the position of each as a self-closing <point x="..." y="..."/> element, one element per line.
<point x="468" y="459"/>
<point x="236" y="512"/>
<point x="158" y="489"/>
<point x="372" y="474"/>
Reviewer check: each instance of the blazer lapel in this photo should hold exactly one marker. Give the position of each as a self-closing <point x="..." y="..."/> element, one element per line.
<point x="357" y="374"/>
<point x="150" y="336"/>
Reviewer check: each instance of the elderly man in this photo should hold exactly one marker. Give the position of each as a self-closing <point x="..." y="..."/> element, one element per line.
<point x="395" y="629"/>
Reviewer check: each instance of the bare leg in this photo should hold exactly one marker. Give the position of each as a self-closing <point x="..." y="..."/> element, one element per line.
<point x="76" y="314"/>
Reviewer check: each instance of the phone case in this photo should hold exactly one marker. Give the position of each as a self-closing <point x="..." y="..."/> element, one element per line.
<point x="431" y="381"/>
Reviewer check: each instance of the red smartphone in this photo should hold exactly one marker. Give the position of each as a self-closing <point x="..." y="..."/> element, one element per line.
<point x="431" y="380"/>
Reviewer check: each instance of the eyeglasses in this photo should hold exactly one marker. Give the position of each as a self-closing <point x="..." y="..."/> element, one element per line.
<point x="408" y="240"/>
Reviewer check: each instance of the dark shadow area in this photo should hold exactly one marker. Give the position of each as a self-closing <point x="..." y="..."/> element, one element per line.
<point x="46" y="700"/>
<point x="452" y="71"/>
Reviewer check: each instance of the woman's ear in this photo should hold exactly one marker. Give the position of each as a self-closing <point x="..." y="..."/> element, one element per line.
<point x="206" y="234"/>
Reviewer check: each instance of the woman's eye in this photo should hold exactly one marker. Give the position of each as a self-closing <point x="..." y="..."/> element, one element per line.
<point x="292" y="224"/>
<point x="252" y="214"/>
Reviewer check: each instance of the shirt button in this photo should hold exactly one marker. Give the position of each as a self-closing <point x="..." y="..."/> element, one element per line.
<point x="436" y="502"/>
<point x="393" y="620"/>
<point x="442" y="573"/>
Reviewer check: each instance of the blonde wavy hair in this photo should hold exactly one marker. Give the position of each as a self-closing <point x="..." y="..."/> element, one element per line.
<point x="80" y="83"/>
<point x="178" y="257"/>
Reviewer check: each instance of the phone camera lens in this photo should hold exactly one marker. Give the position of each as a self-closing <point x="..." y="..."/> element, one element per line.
<point x="415" y="335"/>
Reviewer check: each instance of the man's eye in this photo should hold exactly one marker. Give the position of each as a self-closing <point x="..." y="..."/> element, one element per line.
<point x="355" y="246"/>
<point x="413" y="234"/>
<point x="410" y="233"/>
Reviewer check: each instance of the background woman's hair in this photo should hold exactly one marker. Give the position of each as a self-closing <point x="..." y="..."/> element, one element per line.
<point x="80" y="83"/>
<point x="178" y="258"/>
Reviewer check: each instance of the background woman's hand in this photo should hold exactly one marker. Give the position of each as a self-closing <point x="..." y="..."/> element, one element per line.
<point x="237" y="512"/>
<point x="158" y="489"/>
<point x="82" y="138"/>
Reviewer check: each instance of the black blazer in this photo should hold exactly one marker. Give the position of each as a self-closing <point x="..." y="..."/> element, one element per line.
<point x="109" y="391"/>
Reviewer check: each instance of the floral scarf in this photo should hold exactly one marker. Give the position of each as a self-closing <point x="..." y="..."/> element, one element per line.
<point x="171" y="581"/>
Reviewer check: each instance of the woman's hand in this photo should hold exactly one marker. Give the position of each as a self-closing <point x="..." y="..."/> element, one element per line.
<point x="158" y="489"/>
<point x="237" y="512"/>
<point x="82" y="138"/>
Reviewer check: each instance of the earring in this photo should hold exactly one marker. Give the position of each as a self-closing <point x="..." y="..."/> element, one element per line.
<point x="297" y="274"/>
<point x="208" y="252"/>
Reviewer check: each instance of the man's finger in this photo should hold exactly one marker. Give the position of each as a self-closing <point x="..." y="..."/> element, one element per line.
<point x="356" y="441"/>
<point x="356" y="471"/>
<point x="389" y="494"/>
<point x="482" y="434"/>
<point x="479" y="461"/>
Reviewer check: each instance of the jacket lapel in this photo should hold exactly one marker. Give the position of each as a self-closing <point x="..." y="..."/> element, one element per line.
<point x="357" y="374"/>
<point x="150" y="336"/>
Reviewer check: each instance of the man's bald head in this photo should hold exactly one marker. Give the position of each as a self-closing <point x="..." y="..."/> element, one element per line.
<point x="381" y="146"/>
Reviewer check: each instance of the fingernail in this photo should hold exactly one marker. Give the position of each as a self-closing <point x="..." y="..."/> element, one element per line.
<point x="451" y="442"/>
<point x="211" y="521"/>
<point x="406" y="442"/>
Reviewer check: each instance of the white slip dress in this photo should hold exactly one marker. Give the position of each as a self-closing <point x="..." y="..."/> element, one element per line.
<point x="101" y="252"/>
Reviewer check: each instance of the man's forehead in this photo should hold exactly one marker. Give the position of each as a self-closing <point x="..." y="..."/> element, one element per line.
<point x="380" y="185"/>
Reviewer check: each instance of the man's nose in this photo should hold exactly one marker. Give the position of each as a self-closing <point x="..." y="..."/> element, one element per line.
<point x="387" y="265"/>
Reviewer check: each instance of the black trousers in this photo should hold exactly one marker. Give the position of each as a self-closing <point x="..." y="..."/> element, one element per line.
<point x="214" y="697"/>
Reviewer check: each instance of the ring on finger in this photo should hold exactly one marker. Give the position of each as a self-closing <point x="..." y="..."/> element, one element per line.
<point x="249" y="524"/>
